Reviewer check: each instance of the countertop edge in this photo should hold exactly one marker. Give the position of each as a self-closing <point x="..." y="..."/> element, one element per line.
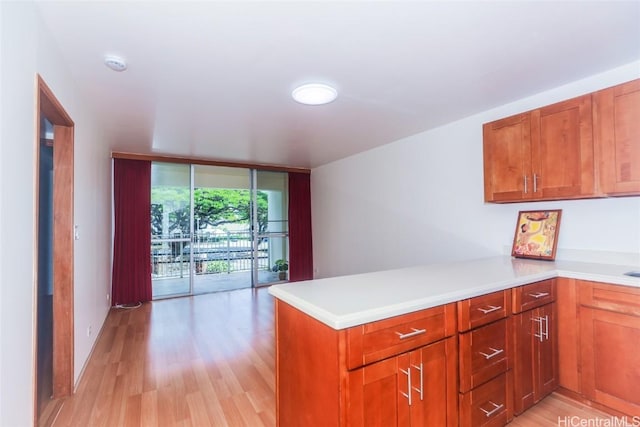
<point x="355" y="318"/>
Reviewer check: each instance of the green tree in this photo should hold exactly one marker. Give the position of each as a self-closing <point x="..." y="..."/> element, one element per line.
<point x="212" y="207"/>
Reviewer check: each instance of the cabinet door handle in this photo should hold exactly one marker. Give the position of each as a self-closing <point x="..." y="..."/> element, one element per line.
<point x="539" y="295"/>
<point x="539" y="334"/>
<point x="525" y="184"/>
<point x="411" y="334"/>
<point x="494" y="353"/>
<point x="408" y="393"/>
<point x="491" y="309"/>
<point x="535" y="183"/>
<point x="495" y="409"/>
<point x="546" y="327"/>
<point x="421" y="389"/>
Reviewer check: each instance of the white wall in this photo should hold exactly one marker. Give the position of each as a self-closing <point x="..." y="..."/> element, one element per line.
<point x="27" y="49"/>
<point x="420" y="200"/>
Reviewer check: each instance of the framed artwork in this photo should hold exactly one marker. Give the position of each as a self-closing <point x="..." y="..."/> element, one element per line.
<point x="537" y="234"/>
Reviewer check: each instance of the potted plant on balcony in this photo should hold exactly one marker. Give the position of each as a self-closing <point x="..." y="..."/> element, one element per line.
<point x="281" y="266"/>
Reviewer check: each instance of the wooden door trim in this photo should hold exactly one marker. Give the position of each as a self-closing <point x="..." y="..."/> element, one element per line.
<point x="47" y="105"/>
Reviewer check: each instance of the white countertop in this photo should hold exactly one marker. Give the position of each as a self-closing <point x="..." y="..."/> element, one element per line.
<point x="345" y="301"/>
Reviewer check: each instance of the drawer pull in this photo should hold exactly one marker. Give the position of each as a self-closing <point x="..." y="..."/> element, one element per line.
<point x="543" y="331"/>
<point x="421" y="389"/>
<point x="411" y="334"/>
<point x="408" y="393"/>
<point x="539" y="295"/>
<point x="495" y="409"/>
<point x="491" y="309"/>
<point x="494" y="353"/>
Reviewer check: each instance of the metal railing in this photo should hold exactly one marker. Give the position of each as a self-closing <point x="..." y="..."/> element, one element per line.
<point x="213" y="253"/>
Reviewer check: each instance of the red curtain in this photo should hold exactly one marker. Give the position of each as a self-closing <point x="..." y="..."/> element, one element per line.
<point x="131" y="279"/>
<point x="300" y="243"/>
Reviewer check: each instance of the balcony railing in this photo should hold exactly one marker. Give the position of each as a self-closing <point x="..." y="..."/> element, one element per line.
<point x="213" y="253"/>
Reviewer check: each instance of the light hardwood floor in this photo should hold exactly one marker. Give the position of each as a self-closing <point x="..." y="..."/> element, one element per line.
<point x="201" y="361"/>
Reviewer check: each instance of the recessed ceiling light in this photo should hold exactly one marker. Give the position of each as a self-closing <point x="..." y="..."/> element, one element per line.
<point x="115" y="63"/>
<point x="314" y="94"/>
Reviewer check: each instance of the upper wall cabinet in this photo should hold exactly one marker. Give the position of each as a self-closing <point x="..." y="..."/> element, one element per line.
<point x="584" y="147"/>
<point x="617" y="138"/>
<point x="544" y="154"/>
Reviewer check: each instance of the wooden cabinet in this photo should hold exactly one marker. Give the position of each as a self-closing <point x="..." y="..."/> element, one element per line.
<point x="617" y="138"/>
<point x="507" y="159"/>
<point x="535" y="367"/>
<point x="400" y="371"/>
<point x="544" y="154"/>
<point x="512" y="348"/>
<point x="569" y="376"/>
<point x="610" y="333"/>
<point x="484" y="353"/>
<point x="416" y="388"/>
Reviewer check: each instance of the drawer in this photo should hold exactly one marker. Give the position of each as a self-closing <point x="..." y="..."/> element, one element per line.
<point x="483" y="354"/>
<point x="375" y="341"/>
<point x="488" y="405"/>
<point x="533" y="295"/>
<point x="620" y="299"/>
<point x="478" y="311"/>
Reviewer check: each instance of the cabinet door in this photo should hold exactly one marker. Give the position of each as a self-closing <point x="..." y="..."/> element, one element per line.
<point x="610" y="360"/>
<point x="433" y="384"/>
<point x="416" y="388"/>
<point x="568" y="336"/>
<point x="562" y="150"/>
<point x="524" y="328"/>
<point x="617" y="136"/>
<point x="547" y="352"/>
<point x="536" y="356"/>
<point x="378" y="394"/>
<point x="507" y="159"/>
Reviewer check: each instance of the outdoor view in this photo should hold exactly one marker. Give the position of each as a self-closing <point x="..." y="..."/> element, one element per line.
<point x="211" y="246"/>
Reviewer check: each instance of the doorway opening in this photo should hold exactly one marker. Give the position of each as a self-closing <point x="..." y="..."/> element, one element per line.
<point x="216" y="228"/>
<point x="53" y="305"/>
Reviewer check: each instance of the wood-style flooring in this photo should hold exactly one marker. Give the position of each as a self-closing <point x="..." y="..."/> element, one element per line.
<point x="201" y="361"/>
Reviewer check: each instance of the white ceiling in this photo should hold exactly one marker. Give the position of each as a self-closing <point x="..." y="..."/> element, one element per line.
<point x="213" y="79"/>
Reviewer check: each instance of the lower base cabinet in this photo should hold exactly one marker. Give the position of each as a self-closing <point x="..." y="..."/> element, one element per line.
<point x="417" y="388"/>
<point x="400" y="371"/>
<point x="610" y="334"/>
<point x="405" y="371"/>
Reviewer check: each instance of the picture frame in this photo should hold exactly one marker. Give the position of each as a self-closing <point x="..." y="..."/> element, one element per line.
<point x="536" y="234"/>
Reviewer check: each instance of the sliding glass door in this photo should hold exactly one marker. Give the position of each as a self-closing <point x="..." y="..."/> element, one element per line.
<point x="171" y="230"/>
<point x="271" y="227"/>
<point x="217" y="228"/>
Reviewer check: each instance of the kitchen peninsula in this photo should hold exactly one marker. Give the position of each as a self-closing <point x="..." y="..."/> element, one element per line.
<point x="439" y="344"/>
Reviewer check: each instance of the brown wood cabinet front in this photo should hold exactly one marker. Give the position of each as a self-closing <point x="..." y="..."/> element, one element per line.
<point x="507" y="159"/>
<point x="617" y="138"/>
<point x="417" y="388"/>
<point x="483" y="309"/>
<point x="610" y="333"/>
<point x="535" y="367"/>
<point x="544" y="154"/>
<point x="487" y="405"/>
<point x="378" y="340"/>
<point x="533" y="295"/>
<point x="400" y="371"/>
<point x="562" y="150"/>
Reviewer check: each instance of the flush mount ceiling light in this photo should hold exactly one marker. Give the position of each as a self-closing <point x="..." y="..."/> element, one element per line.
<point x="115" y="63"/>
<point x="314" y="94"/>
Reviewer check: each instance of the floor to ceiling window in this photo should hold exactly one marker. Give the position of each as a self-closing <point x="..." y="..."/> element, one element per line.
<point x="216" y="228"/>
